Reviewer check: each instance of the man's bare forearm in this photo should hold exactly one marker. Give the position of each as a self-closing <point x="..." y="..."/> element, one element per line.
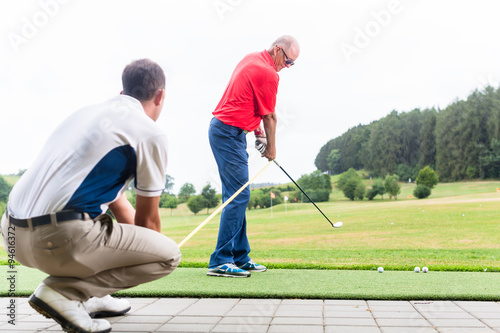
<point x="270" y="122"/>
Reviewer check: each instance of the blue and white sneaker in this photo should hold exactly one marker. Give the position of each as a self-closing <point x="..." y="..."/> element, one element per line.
<point x="228" y="270"/>
<point x="251" y="266"/>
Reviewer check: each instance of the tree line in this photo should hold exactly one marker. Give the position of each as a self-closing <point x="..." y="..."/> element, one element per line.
<point x="459" y="142"/>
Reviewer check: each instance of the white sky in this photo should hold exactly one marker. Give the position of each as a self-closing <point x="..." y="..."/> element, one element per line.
<point x="58" y="56"/>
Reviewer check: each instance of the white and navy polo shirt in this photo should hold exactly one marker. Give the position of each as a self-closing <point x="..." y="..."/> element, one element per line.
<point x="89" y="160"/>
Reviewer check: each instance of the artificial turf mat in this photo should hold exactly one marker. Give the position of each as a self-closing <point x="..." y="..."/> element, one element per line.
<point x="298" y="283"/>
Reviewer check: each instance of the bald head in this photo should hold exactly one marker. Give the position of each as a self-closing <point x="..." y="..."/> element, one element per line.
<point x="287" y="42"/>
<point x="283" y="48"/>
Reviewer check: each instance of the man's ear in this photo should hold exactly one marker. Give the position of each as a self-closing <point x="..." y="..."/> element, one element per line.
<point x="159" y="96"/>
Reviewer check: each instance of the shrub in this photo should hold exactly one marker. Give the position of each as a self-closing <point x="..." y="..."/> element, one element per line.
<point x="421" y="191"/>
<point x="345" y="177"/>
<point x="428" y="177"/>
<point x="196" y="203"/>
<point x="471" y="172"/>
<point x="371" y="193"/>
<point x="359" y="192"/>
<point x="316" y="195"/>
<point x="349" y="188"/>
<point x="391" y="186"/>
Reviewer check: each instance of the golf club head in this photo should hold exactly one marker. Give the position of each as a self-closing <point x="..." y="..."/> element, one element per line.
<point x="338" y="225"/>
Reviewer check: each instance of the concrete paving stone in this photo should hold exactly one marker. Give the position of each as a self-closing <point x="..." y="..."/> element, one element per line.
<point x="165" y="307"/>
<point x="492" y="322"/>
<point x="194" y="320"/>
<point x="387" y="303"/>
<point x="465" y="304"/>
<point x="135" y="319"/>
<point x="210" y="307"/>
<point x="408" y="330"/>
<point x="441" y="306"/>
<point x="185" y="328"/>
<point x="133" y="327"/>
<point x="457" y="322"/>
<point x="464" y="330"/>
<point x="350" y="322"/>
<point x="240" y="329"/>
<point x="298" y="313"/>
<point x="295" y="329"/>
<point x="346" y="308"/>
<point x="485" y="315"/>
<point x="250" y="301"/>
<point x="473" y="309"/>
<point x="405" y="314"/>
<point x="296" y="307"/>
<point x="302" y="302"/>
<point x="246" y="321"/>
<point x="32" y="317"/>
<point x="135" y="300"/>
<point x="403" y="322"/>
<point x="30" y="326"/>
<point x="297" y="321"/>
<point x="113" y="320"/>
<point x="347" y="314"/>
<point x="253" y="310"/>
<point x="393" y="308"/>
<point x="348" y="302"/>
<point x="24" y="308"/>
<point x="446" y="315"/>
<point x="351" y="329"/>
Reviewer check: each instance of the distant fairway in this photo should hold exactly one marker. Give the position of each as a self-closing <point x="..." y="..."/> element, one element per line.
<point x="456" y="229"/>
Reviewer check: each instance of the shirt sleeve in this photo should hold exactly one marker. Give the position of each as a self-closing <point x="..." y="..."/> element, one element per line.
<point x="265" y="97"/>
<point x="151" y="166"/>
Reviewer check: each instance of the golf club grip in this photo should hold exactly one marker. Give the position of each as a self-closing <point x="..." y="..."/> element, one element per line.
<point x="300" y="188"/>
<point x="221" y="207"/>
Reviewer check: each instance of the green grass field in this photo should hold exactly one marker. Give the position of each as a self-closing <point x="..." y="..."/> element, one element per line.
<point x="456" y="229"/>
<point x="298" y="283"/>
<point x="455" y="232"/>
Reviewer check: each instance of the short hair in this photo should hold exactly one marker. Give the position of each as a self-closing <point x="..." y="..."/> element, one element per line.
<point x="142" y="78"/>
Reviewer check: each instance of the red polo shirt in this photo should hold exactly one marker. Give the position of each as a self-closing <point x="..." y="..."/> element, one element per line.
<point x="251" y="92"/>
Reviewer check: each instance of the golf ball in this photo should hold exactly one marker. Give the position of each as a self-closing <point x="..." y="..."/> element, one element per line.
<point x="425" y="269"/>
<point x="417" y="269"/>
<point x="380" y="269"/>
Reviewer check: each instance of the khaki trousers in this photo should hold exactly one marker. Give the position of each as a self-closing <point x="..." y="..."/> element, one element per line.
<point x="86" y="258"/>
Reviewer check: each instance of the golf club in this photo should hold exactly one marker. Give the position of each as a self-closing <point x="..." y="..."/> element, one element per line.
<point x="336" y="225"/>
<point x="221" y="207"/>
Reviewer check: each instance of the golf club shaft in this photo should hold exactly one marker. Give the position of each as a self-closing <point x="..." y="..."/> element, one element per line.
<point x="221" y="207"/>
<point x="303" y="192"/>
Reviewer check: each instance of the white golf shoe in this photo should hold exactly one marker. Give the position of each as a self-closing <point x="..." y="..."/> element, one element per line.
<point x="106" y="306"/>
<point x="71" y="315"/>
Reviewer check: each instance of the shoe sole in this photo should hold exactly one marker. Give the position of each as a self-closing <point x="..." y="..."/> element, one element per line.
<point x="107" y="314"/>
<point x="228" y="275"/>
<point x="47" y="311"/>
<point x="256" y="270"/>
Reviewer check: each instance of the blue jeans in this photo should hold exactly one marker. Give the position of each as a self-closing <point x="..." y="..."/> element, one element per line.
<point x="229" y="146"/>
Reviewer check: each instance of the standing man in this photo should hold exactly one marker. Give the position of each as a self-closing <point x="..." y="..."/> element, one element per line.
<point x="250" y="98"/>
<point x="55" y="215"/>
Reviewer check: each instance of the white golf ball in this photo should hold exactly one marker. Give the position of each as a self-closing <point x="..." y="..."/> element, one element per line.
<point x="425" y="269"/>
<point x="380" y="269"/>
<point x="417" y="269"/>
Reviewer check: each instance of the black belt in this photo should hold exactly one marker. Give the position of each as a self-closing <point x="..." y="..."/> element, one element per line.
<point x="65" y="215"/>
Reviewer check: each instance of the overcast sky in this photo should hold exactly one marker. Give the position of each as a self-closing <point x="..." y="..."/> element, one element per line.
<point x="359" y="61"/>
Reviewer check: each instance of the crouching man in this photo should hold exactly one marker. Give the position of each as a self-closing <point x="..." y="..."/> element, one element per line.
<point x="56" y="211"/>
